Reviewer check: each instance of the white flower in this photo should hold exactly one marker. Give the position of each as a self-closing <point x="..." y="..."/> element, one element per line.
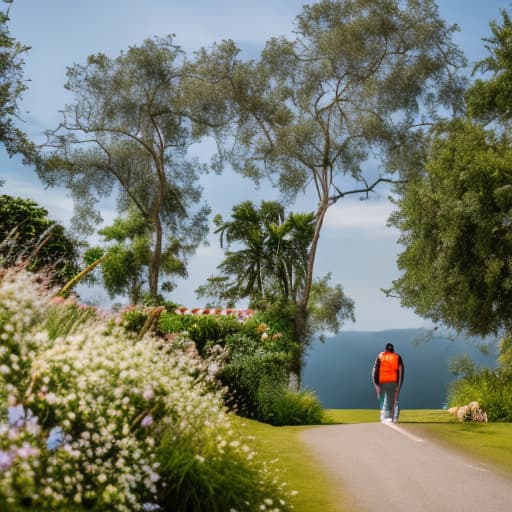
<point x="148" y="394"/>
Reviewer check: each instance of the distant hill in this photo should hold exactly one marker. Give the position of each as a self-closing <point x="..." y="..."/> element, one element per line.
<point x="339" y="369"/>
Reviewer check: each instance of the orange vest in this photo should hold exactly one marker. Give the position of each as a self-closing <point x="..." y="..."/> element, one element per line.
<point x="388" y="370"/>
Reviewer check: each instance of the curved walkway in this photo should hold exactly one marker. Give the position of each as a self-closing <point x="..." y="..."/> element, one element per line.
<point x="384" y="467"/>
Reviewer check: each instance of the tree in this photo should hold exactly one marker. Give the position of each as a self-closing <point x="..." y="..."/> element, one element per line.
<point x="490" y="99"/>
<point x="128" y="252"/>
<point x="128" y="132"/>
<point x="362" y="79"/>
<point x="266" y="255"/>
<point x="455" y="219"/>
<point x="12" y="87"/>
<point x="455" y="224"/>
<point x="269" y="264"/>
<point x="28" y="235"/>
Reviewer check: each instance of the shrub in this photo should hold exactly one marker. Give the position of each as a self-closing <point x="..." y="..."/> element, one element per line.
<point x="296" y="408"/>
<point x="256" y="374"/>
<point x="134" y="319"/>
<point x="216" y="480"/>
<point x="491" y="389"/>
<point x="204" y="330"/>
<point x="91" y="413"/>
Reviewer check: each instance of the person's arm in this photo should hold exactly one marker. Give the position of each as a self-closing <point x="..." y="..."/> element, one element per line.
<point x="375" y="371"/>
<point x="401" y="371"/>
<point x="375" y="376"/>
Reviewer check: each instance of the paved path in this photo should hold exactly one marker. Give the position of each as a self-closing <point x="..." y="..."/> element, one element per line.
<point x="383" y="467"/>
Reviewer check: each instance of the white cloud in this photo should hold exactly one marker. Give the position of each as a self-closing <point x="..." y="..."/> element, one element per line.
<point x="369" y="216"/>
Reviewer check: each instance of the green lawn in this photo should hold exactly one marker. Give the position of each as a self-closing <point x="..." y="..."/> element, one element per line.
<point x="491" y="443"/>
<point x="302" y="474"/>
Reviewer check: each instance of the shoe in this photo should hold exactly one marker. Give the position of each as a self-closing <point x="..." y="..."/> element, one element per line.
<point x="387" y="420"/>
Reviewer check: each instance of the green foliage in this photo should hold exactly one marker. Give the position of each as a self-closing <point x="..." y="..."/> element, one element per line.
<point x="204" y="330"/>
<point x="217" y="480"/>
<point x="65" y="317"/>
<point x="329" y="307"/>
<point x="126" y="269"/>
<point x="360" y="77"/>
<point x="127" y="131"/>
<point x="456" y="218"/>
<point x="94" y="419"/>
<point x="270" y="268"/>
<point x="298" y="408"/>
<point x="260" y="357"/>
<point x="491" y="389"/>
<point x="28" y="235"/>
<point x="271" y="257"/>
<point x="455" y="224"/>
<point x="134" y="319"/>
<point x="280" y="406"/>
<point x="490" y="99"/>
<point x="505" y="356"/>
<point x="251" y="373"/>
<point x="12" y="86"/>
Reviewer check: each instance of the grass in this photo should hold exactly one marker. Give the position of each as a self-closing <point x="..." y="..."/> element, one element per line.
<point x="296" y="464"/>
<point x="337" y="416"/>
<point x="489" y="443"/>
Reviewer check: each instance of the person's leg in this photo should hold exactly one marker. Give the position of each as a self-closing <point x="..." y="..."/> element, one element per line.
<point x="381" y="406"/>
<point x="396" y="407"/>
<point x="388" y="393"/>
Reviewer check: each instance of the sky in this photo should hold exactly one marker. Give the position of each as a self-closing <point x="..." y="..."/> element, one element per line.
<point x="356" y="246"/>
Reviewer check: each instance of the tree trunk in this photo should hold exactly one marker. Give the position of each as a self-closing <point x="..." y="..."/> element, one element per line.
<point x="301" y="307"/>
<point x="154" y="266"/>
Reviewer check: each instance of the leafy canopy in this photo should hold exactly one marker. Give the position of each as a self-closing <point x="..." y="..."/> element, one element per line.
<point x="127" y="133"/>
<point x="456" y="218"/>
<point x="455" y="224"/>
<point x="12" y="87"/>
<point x="27" y="234"/>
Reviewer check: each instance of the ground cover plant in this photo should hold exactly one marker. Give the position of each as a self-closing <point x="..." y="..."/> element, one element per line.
<point x="93" y="418"/>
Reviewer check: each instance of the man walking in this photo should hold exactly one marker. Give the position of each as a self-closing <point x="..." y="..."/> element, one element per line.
<point x="388" y="376"/>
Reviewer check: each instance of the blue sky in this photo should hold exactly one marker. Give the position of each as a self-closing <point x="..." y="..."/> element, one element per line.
<point x="355" y="246"/>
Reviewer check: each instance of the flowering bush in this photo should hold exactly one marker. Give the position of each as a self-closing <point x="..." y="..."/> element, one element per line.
<point x="85" y="412"/>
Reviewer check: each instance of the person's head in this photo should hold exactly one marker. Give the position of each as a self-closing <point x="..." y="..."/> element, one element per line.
<point x="390" y="347"/>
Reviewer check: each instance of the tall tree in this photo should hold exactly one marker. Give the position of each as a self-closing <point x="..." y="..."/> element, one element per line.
<point x="12" y="86"/>
<point x="128" y="131"/>
<point x="456" y="218"/>
<point x="362" y="79"/>
<point x="266" y="254"/>
<point x="455" y="223"/>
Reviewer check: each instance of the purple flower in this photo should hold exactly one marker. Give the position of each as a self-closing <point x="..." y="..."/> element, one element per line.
<point x="147" y="421"/>
<point x="27" y="451"/>
<point x="5" y="460"/>
<point x="16" y="415"/>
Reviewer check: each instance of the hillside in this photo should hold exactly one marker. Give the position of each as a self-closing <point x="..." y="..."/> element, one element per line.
<point x="339" y="369"/>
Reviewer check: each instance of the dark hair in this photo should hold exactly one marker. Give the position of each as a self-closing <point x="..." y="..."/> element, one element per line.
<point x="389" y="347"/>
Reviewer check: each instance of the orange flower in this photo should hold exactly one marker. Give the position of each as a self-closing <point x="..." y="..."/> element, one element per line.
<point x="262" y="328"/>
